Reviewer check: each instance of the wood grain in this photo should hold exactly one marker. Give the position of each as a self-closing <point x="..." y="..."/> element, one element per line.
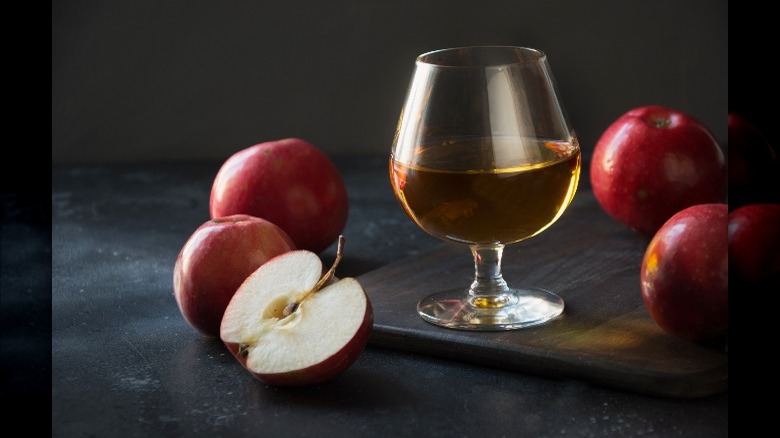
<point x="605" y="335"/>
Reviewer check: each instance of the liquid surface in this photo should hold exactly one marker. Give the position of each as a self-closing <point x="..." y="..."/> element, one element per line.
<point x="480" y="191"/>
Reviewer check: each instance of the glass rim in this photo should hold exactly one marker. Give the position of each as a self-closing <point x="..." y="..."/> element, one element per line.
<point x="519" y="52"/>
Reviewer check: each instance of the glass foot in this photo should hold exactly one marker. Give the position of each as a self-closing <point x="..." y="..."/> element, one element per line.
<point x="518" y="308"/>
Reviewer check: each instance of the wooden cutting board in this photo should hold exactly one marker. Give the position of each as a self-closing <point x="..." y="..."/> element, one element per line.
<point x="605" y="335"/>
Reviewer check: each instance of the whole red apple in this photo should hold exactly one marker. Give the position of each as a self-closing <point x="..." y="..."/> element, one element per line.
<point x="753" y="170"/>
<point x="685" y="273"/>
<point x="754" y="246"/>
<point x="216" y="259"/>
<point x="653" y="162"/>
<point x="288" y="182"/>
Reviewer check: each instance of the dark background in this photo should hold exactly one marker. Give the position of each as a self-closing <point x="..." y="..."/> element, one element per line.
<point x="139" y="81"/>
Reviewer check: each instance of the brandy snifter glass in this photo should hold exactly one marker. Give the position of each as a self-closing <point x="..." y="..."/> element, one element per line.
<point x="484" y="156"/>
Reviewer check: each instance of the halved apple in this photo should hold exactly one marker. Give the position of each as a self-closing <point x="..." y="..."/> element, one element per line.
<point x="288" y="324"/>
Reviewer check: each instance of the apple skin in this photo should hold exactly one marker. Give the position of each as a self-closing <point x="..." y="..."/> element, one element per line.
<point x="754" y="246"/>
<point x="654" y="161"/>
<point x="753" y="166"/>
<point x="323" y="371"/>
<point x="216" y="259"/>
<point x="685" y="273"/>
<point x="288" y="182"/>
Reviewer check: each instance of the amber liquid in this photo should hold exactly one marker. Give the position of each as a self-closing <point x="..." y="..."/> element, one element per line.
<point x="460" y="191"/>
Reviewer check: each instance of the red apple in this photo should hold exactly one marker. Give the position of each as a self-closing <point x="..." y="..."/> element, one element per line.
<point x="288" y="182"/>
<point x="685" y="273"/>
<point x="754" y="246"/>
<point x="290" y="325"/>
<point x="753" y="170"/>
<point x="214" y="261"/>
<point x="653" y="162"/>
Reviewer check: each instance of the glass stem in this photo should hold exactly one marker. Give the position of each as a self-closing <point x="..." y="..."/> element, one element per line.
<point x="489" y="288"/>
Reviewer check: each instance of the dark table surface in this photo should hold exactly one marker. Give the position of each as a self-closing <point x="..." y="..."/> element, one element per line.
<point x="125" y="363"/>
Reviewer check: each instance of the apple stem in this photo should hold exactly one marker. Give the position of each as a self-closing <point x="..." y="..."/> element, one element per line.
<point x="292" y="307"/>
<point x="329" y="275"/>
<point x="662" y="122"/>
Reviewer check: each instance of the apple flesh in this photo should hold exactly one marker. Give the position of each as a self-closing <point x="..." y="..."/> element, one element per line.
<point x="754" y="246"/>
<point x="654" y="161"/>
<point x="685" y="273"/>
<point x="219" y="255"/>
<point x="288" y="182"/>
<point x="290" y="325"/>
